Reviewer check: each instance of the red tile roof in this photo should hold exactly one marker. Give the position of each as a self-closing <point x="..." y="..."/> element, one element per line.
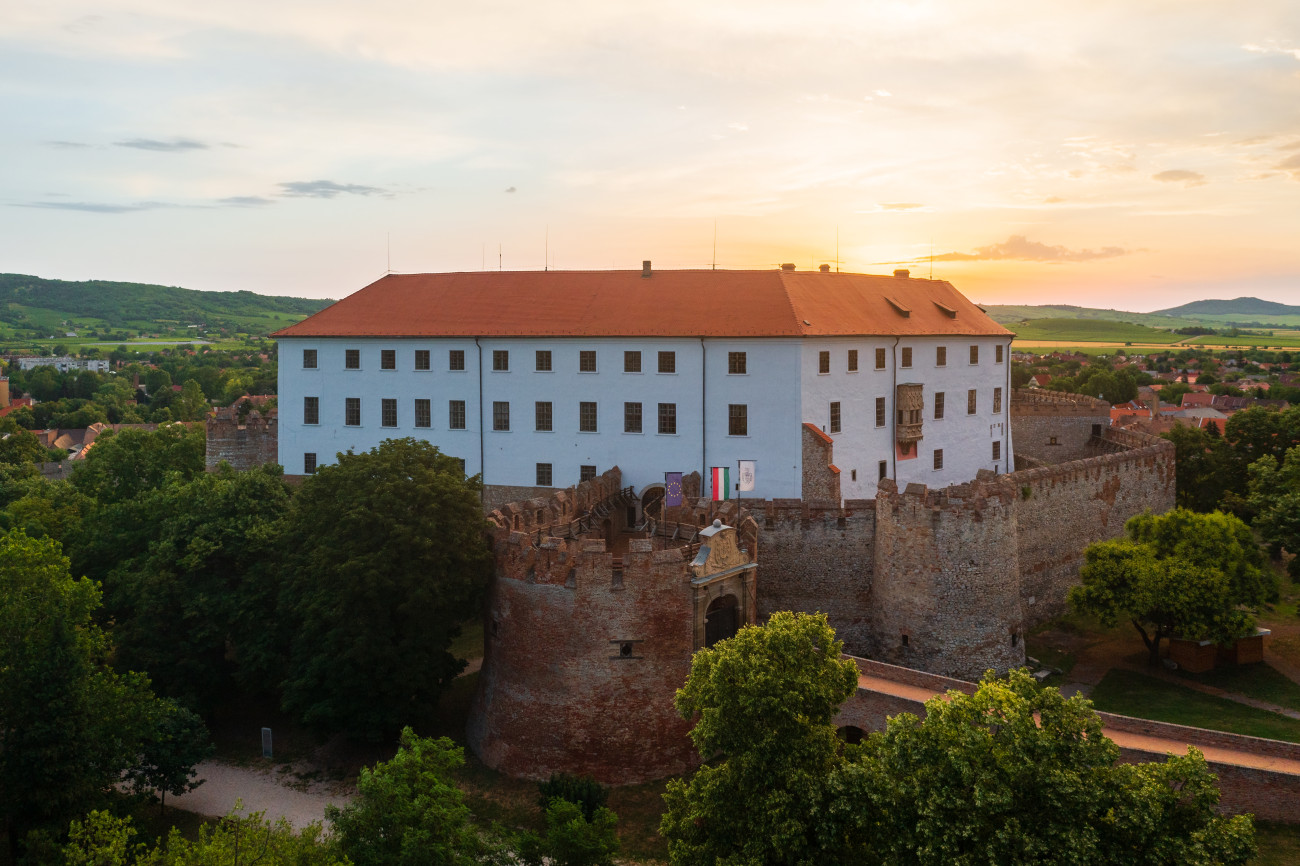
<point x="669" y="303"/>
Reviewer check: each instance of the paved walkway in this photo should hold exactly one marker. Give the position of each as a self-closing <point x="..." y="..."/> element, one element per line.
<point x="261" y="790"/>
<point x="1123" y="739"/>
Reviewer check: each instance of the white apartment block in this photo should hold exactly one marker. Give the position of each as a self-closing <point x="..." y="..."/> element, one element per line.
<point x="535" y="379"/>
<point x="62" y="363"/>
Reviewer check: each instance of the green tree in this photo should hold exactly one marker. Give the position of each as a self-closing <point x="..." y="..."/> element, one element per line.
<point x="1180" y="574"/>
<point x="1275" y="499"/>
<point x="1201" y="458"/>
<point x="765" y="702"/>
<point x="70" y="726"/>
<point x="104" y="840"/>
<point x="193" y="406"/>
<point x="189" y="579"/>
<point x="572" y="838"/>
<point x="385" y="555"/>
<point x="177" y="742"/>
<point x="409" y="812"/>
<point x="1018" y="774"/>
<point x="124" y="463"/>
<point x="22" y="447"/>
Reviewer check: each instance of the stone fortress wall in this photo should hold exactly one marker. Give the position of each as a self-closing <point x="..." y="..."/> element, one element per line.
<point x="243" y="446"/>
<point x="591" y="627"/>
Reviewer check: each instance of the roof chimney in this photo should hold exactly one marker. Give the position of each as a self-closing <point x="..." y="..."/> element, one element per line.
<point x="825" y="269"/>
<point x="787" y="266"/>
<point x="902" y="273"/>
<point x="645" y="268"/>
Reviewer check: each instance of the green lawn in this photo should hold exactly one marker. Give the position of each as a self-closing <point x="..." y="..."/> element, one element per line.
<point x="1091" y="330"/>
<point x="1279" y="844"/>
<point x="1133" y="694"/>
<point x="1259" y="681"/>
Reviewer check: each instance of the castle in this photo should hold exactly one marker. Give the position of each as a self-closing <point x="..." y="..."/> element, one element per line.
<point x="592" y="621"/>
<point x="900" y="486"/>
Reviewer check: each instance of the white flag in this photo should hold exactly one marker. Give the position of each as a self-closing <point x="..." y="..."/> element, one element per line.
<point x="746" y="475"/>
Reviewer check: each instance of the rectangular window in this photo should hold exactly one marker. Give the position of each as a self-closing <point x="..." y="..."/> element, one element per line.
<point x="500" y="360"/>
<point x="835" y="417"/>
<point x="456" y="359"/>
<point x="880" y="411"/>
<point x="880" y="359"/>
<point x="543" y="475"/>
<point x="882" y="469"/>
<point x="974" y="354"/>
<point x="738" y="419"/>
<point x="388" y="413"/>
<point x="823" y="363"/>
<point x="352" y="412"/>
<point x="542" y="416"/>
<point x="853" y="360"/>
<point x="736" y="363"/>
<point x="422" y="359"/>
<point x="586" y="473"/>
<point x="667" y="362"/>
<point x="997" y="354"/>
<point x="997" y="400"/>
<point x="309" y="359"/>
<point x="997" y="450"/>
<point x="938" y="458"/>
<point x="309" y="463"/>
<point x="631" y="362"/>
<point x="970" y="402"/>
<point x="388" y="359"/>
<point x="938" y="405"/>
<point x="311" y="410"/>
<point x="500" y="415"/>
<point x="941" y="356"/>
<point x="456" y="415"/>
<point x="586" y="417"/>
<point x="631" y="417"/>
<point x="423" y="413"/>
<point x="352" y="359"/>
<point x="543" y="363"/>
<point x="907" y="357"/>
<point x="668" y="418"/>
<point x="587" y="361"/>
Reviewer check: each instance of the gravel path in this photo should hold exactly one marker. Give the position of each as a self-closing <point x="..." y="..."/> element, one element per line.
<point x="261" y="790"/>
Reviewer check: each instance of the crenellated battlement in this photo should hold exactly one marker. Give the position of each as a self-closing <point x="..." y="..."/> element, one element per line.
<point x="245" y="445"/>
<point x="1038" y="401"/>
<point x="592" y="622"/>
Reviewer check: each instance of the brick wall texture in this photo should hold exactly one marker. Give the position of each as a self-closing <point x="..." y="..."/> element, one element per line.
<point x="243" y="446"/>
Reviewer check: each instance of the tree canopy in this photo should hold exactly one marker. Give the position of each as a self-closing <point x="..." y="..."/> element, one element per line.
<point x="384" y="556"/>
<point x="1013" y="774"/>
<point x="124" y="463"/>
<point x="1275" y="499"/>
<point x="70" y="725"/>
<point x="1180" y="574"/>
<point x="409" y="812"/>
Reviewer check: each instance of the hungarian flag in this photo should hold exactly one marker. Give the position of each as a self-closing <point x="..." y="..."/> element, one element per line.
<point x="721" y="483"/>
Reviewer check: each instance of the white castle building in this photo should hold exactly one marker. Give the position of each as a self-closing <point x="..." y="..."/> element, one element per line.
<point x="536" y="379"/>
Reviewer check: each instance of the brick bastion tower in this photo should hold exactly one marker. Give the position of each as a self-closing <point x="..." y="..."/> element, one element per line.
<point x="591" y="626"/>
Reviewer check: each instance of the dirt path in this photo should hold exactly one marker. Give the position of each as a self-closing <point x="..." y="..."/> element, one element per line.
<point x="261" y="790"/>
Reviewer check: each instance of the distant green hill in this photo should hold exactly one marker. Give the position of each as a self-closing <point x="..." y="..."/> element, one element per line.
<point x="1008" y="314"/>
<point x="33" y="306"/>
<point x="1239" y="307"/>
<point x="1090" y="330"/>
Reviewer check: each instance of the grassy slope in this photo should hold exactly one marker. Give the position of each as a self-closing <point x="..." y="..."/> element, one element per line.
<point x="46" y="304"/>
<point x="1091" y="330"/>
<point x="1133" y="694"/>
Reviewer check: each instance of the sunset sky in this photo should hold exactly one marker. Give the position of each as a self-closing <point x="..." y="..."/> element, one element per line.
<point x="1129" y="154"/>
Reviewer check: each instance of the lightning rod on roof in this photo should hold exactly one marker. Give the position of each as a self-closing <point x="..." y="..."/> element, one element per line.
<point x="546" y="256"/>
<point x="498" y="257"/>
<point x="715" y="245"/>
<point x="389" y="268"/>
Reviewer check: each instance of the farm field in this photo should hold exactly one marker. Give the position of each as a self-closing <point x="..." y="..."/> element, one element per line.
<point x="1283" y="339"/>
<point x="1091" y="331"/>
